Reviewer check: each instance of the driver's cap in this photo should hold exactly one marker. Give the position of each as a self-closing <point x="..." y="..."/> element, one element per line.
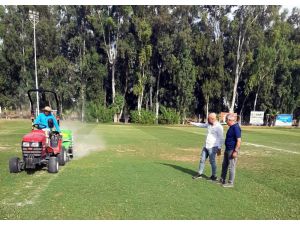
<point x="47" y="109"/>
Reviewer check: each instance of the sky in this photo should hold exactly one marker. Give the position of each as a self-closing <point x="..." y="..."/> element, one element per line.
<point x="287" y="3"/>
<point x="290" y="7"/>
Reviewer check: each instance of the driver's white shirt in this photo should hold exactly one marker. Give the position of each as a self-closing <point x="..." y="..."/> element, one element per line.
<point x="214" y="136"/>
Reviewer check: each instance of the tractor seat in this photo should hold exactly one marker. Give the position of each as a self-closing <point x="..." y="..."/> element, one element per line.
<point x="54" y="140"/>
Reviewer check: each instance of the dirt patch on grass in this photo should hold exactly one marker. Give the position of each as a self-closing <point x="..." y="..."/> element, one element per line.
<point x="128" y="150"/>
<point x="5" y="148"/>
<point x="121" y="150"/>
<point x="253" y="157"/>
<point x="196" y="150"/>
<point x="250" y="161"/>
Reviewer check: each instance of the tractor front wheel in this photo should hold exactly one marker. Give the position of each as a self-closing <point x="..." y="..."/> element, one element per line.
<point x="53" y="165"/>
<point x="62" y="157"/>
<point x="14" y="165"/>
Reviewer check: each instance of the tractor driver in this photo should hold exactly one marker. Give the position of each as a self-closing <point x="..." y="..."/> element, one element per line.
<point x="44" y="117"/>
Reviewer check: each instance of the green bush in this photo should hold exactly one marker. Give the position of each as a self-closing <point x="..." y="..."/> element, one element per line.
<point x="98" y="112"/>
<point x="134" y="116"/>
<point x="168" y="116"/>
<point x="145" y="117"/>
<point x="119" y="102"/>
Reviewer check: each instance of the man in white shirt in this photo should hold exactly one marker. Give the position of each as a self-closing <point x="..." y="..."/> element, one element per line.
<point x="212" y="146"/>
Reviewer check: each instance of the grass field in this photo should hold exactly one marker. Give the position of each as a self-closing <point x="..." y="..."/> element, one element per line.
<point x="144" y="172"/>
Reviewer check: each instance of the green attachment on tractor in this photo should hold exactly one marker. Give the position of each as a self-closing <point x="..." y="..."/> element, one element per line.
<point x="67" y="143"/>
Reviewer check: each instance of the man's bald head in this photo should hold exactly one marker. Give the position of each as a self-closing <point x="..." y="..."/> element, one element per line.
<point x="212" y="115"/>
<point x="212" y="118"/>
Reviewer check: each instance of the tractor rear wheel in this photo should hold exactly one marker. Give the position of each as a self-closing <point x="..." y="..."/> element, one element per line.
<point x="53" y="165"/>
<point x="70" y="152"/>
<point x="14" y="165"/>
<point x="62" y="157"/>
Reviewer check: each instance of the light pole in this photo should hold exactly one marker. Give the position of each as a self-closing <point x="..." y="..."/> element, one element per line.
<point x="34" y="19"/>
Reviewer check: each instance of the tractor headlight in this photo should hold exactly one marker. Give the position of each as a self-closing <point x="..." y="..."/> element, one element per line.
<point x="35" y="144"/>
<point x="25" y="144"/>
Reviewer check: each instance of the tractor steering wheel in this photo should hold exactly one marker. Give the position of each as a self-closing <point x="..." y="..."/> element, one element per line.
<point x="39" y="126"/>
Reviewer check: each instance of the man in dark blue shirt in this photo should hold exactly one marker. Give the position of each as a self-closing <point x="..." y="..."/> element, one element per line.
<point x="232" y="146"/>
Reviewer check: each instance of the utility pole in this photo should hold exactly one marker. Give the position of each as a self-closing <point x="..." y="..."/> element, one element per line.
<point x="34" y="19"/>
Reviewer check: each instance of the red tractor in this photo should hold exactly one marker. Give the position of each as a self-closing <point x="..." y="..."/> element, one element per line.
<point x="41" y="147"/>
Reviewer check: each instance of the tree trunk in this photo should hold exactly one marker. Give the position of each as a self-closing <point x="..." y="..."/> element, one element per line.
<point x="111" y="52"/>
<point x="254" y="107"/>
<point x="83" y="86"/>
<point x="125" y="91"/>
<point x="183" y="116"/>
<point x="20" y="106"/>
<point x="242" y="109"/>
<point x="139" y="104"/>
<point x="238" y="69"/>
<point x="231" y="110"/>
<point x="82" y="102"/>
<point x="240" y="59"/>
<point x="61" y="105"/>
<point x="141" y="95"/>
<point x="256" y="96"/>
<point x="156" y="96"/>
<point x="150" y="97"/>
<point x="156" y="111"/>
<point x="121" y="113"/>
<point x="147" y="103"/>
<point x="113" y="82"/>
<point x="207" y="105"/>
<point x="24" y="63"/>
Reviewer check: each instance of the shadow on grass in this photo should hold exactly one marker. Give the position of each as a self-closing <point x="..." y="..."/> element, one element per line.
<point x="182" y="169"/>
<point x="37" y="169"/>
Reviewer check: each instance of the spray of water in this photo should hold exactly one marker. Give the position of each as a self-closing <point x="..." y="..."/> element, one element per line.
<point x="84" y="142"/>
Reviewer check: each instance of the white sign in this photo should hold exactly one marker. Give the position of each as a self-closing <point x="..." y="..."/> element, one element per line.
<point x="257" y="117"/>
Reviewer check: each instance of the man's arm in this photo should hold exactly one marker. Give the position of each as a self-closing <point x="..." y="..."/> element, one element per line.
<point x="203" y="125"/>
<point x="56" y="124"/>
<point x="220" y="137"/>
<point x="37" y="120"/>
<point x="238" y="134"/>
<point x="238" y="144"/>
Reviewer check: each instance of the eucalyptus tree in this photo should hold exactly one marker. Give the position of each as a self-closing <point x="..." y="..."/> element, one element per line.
<point x="209" y="53"/>
<point x="16" y="53"/>
<point x="183" y="66"/>
<point x="142" y="32"/>
<point x="163" y="28"/>
<point x="126" y="66"/>
<point x="294" y="21"/>
<point x="111" y="24"/>
<point x="75" y="39"/>
<point x="240" y="39"/>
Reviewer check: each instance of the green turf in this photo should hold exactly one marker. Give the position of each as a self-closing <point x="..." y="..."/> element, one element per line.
<point x="144" y="172"/>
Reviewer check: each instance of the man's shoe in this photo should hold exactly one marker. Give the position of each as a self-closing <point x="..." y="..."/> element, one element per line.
<point x="213" y="178"/>
<point x="228" y="185"/>
<point x="221" y="181"/>
<point x="197" y="176"/>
